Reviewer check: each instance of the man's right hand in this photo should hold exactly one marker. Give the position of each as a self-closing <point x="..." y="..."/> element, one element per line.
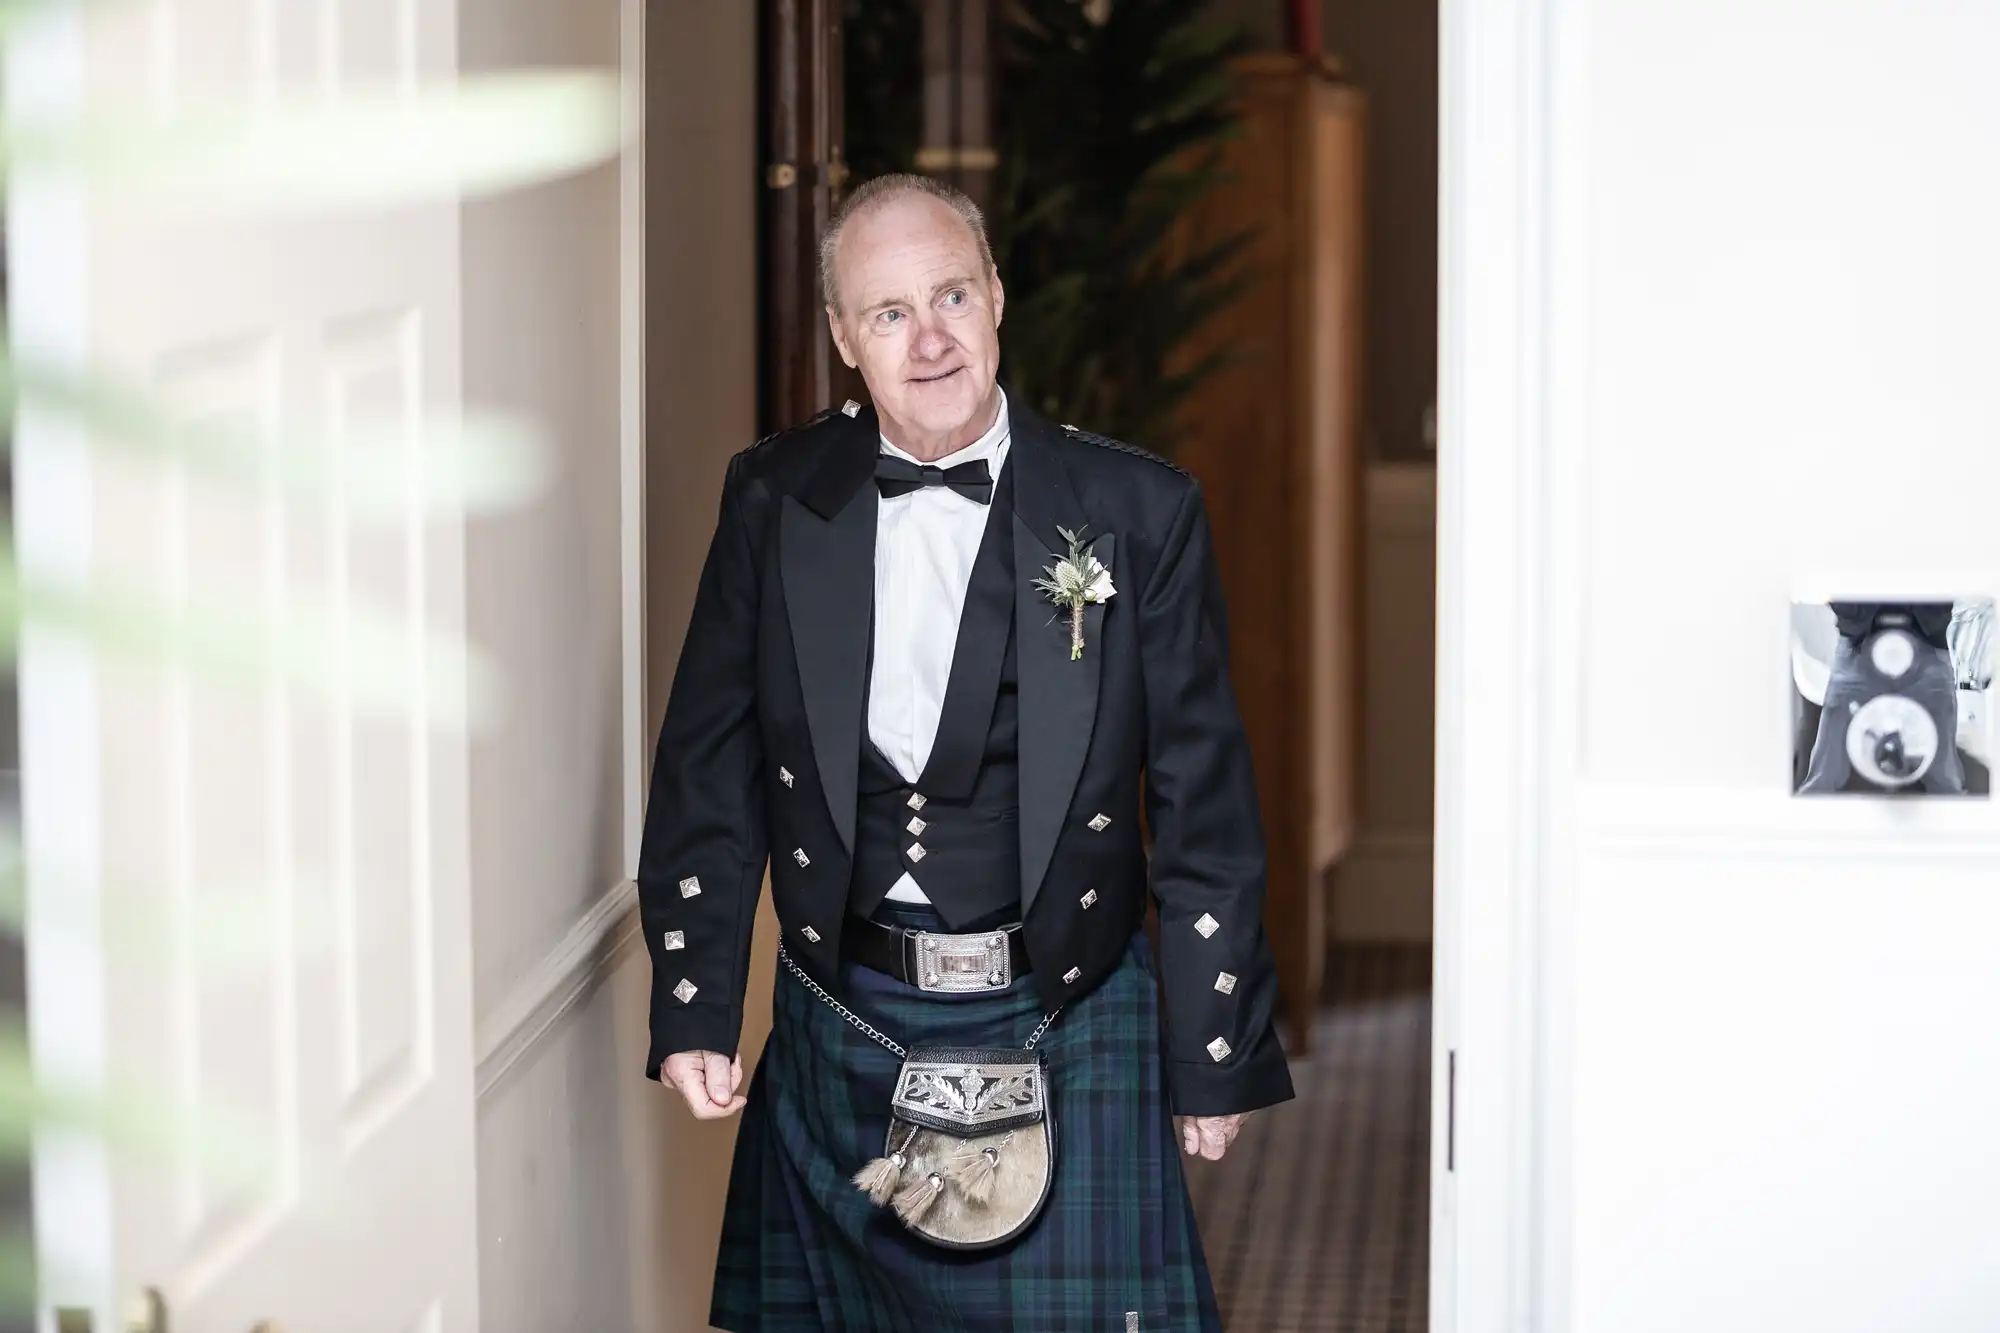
<point x="708" y="1081"/>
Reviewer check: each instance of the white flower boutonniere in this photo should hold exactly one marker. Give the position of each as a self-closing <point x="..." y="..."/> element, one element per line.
<point x="1074" y="582"/>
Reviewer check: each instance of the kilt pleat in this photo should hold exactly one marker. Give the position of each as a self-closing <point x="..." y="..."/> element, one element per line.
<point x="804" y="1251"/>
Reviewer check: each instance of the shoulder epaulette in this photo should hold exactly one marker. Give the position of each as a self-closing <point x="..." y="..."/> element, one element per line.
<point x="793" y="429"/>
<point x="1092" y="437"/>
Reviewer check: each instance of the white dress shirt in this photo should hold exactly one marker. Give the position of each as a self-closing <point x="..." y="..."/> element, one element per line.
<point x="925" y="543"/>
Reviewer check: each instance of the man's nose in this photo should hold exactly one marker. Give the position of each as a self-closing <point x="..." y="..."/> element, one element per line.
<point x="932" y="340"/>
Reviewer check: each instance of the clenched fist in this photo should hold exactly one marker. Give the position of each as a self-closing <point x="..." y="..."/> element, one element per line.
<point x="1208" y="1135"/>
<point x="708" y="1081"/>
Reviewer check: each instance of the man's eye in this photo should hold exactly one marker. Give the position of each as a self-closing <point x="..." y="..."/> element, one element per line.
<point x="889" y="316"/>
<point x="955" y="297"/>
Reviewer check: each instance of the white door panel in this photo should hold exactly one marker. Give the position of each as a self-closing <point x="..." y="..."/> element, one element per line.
<point x="1723" y="1057"/>
<point x="276" y="920"/>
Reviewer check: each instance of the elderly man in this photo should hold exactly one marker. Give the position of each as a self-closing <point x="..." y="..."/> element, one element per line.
<point x="894" y="689"/>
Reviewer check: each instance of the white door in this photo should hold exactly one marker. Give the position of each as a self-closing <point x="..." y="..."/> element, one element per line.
<point x="1719" y="283"/>
<point x="249" y="887"/>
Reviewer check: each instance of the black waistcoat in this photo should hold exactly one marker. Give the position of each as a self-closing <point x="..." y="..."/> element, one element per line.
<point x="956" y="829"/>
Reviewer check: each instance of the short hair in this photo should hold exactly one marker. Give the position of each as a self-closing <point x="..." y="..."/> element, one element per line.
<point x="885" y="190"/>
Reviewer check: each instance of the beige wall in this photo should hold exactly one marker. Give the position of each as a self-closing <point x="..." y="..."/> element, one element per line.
<point x="701" y="408"/>
<point x="1382" y="890"/>
<point x="540" y="278"/>
<point x="599" y="1198"/>
<point x="541" y="338"/>
<point x="1390" y="49"/>
<point x="701" y="248"/>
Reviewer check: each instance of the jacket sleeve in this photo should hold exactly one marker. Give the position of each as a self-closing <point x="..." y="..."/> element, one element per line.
<point x="701" y="859"/>
<point x="1208" y="840"/>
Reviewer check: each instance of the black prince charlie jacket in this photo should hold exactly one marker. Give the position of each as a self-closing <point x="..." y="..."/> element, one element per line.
<point x="760" y="749"/>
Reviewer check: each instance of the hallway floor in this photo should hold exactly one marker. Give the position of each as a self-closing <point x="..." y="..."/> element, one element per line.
<point x="1318" y="1220"/>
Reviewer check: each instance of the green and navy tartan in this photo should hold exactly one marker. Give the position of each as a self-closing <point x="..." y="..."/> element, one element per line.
<point x="803" y="1249"/>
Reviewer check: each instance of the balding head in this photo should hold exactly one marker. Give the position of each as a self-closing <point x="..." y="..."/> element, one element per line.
<point x="884" y="190"/>
<point x="915" y="305"/>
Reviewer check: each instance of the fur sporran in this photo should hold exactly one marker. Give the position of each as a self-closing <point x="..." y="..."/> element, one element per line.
<point x="971" y="1147"/>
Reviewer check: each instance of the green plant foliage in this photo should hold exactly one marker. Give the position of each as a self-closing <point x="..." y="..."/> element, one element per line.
<point x="366" y="150"/>
<point x="1109" y="124"/>
<point x="882" y="43"/>
<point x="458" y="462"/>
<point x="361" y="654"/>
<point x="229" y="928"/>
<point x="1109" y="133"/>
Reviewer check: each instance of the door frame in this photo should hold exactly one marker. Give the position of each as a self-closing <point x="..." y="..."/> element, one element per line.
<point x="635" y="754"/>
<point x="801" y="175"/>
<point x="1511" y="372"/>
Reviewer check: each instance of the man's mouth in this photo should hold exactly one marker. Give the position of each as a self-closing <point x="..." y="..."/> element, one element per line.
<point x="933" y="379"/>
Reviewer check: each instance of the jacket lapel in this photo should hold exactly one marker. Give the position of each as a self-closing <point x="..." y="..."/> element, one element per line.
<point x="1058" y="696"/>
<point x="826" y="554"/>
<point x="984" y="622"/>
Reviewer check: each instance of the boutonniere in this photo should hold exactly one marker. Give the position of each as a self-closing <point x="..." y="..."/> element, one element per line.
<point x="1074" y="582"/>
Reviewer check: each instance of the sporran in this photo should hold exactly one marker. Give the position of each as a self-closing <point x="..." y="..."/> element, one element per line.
<point x="971" y="1148"/>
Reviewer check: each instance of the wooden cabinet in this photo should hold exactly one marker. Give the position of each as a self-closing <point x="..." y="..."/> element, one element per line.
<point x="1275" y="438"/>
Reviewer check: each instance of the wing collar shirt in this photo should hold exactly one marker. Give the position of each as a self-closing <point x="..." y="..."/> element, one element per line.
<point x="925" y="543"/>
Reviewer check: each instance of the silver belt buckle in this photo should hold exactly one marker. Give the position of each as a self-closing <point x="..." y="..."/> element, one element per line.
<point x="958" y="964"/>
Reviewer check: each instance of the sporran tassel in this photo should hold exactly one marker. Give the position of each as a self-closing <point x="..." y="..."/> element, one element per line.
<point x="879" y="1178"/>
<point x="917" y="1197"/>
<point x="973" y="1170"/>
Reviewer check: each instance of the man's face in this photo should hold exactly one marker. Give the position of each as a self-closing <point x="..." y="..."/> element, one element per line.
<point x="920" y="318"/>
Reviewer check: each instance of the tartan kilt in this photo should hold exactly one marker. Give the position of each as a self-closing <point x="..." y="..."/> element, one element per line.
<point x="804" y="1251"/>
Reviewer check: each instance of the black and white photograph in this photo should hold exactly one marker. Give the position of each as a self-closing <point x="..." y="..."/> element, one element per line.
<point x="1892" y="698"/>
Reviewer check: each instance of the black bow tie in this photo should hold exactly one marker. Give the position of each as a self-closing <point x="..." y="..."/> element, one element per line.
<point x="899" y="476"/>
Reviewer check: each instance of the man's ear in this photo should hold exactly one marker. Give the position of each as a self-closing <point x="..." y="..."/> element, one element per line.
<point x="840" y="339"/>
<point x="999" y="296"/>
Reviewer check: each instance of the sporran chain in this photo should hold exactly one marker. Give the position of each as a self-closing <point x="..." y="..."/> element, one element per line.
<point x="837" y="1006"/>
<point x="1041" y="1028"/>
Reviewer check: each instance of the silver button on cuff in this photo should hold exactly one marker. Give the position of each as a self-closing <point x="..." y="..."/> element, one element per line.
<point x="799" y="855"/>
<point x="676" y="939"/>
<point x="1219" y="1049"/>
<point x="785" y="775"/>
<point x="812" y="936"/>
<point x="690" y="887"/>
<point x="1225" y="982"/>
<point x="1069" y="977"/>
<point x="1100" y="822"/>
<point x="685" y="991"/>
<point x="1088" y="899"/>
<point x="1207" y="926"/>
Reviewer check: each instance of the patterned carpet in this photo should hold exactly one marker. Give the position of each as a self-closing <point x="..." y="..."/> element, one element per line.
<point x="1318" y="1219"/>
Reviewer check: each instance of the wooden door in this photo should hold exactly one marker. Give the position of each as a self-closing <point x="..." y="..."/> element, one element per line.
<point x="801" y="176"/>
<point x="1274" y="438"/>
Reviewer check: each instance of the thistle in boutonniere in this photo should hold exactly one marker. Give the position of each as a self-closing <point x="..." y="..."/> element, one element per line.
<point x="1074" y="582"/>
